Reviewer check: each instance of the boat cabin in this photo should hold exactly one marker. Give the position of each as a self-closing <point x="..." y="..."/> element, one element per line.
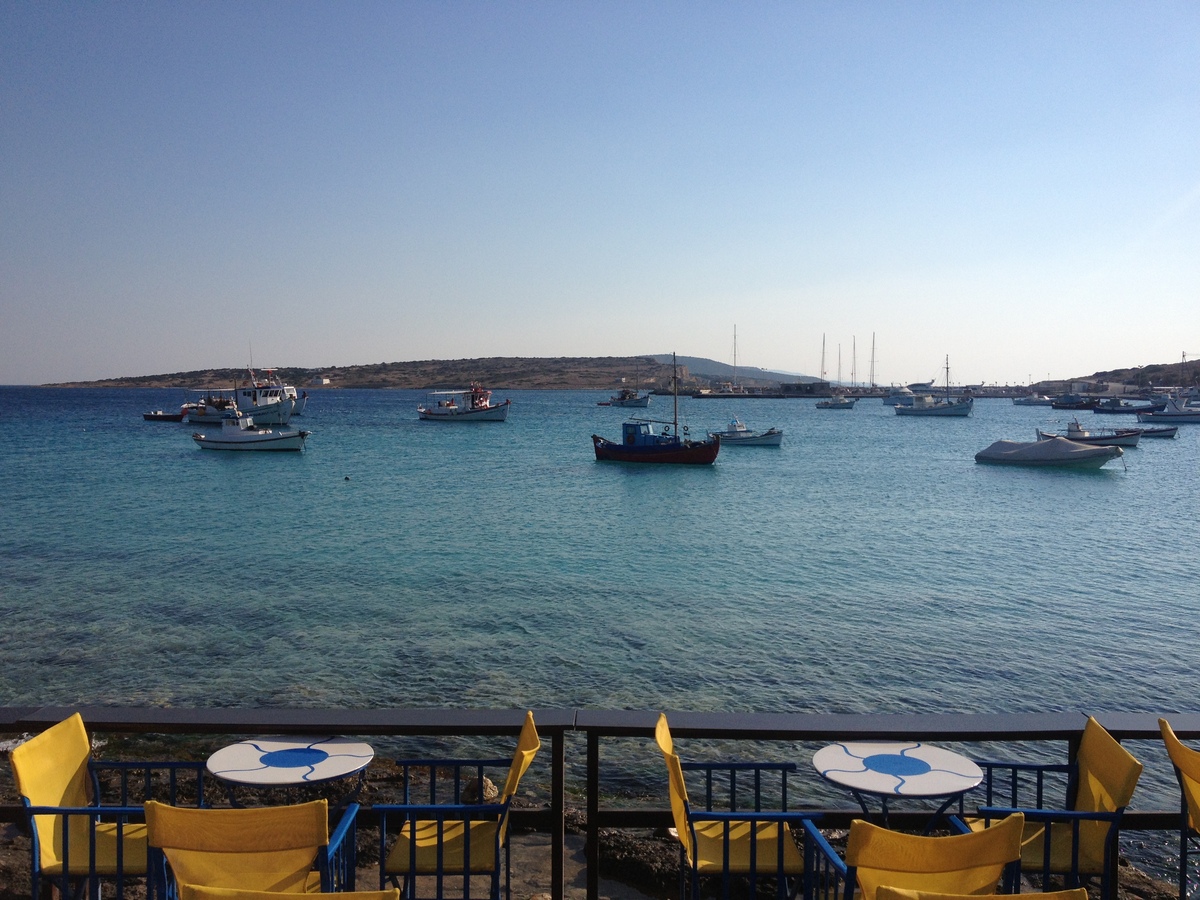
<point x="642" y="434"/>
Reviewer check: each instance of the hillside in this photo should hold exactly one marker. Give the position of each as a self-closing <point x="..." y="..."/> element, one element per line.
<point x="497" y="373"/>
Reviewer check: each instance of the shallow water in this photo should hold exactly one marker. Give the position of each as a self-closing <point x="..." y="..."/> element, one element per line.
<point x="867" y="565"/>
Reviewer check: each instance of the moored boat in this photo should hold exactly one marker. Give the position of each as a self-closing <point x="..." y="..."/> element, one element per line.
<point x="1125" y="437"/>
<point x="738" y="435"/>
<point x="837" y="401"/>
<point x="629" y="398"/>
<point x="1057" y="452"/>
<point x="1117" y="406"/>
<point x="1032" y="400"/>
<point x="643" y="442"/>
<point x="159" y="416"/>
<point x="208" y="407"/>
<point x="1074" y="401"/>
<point x="238" y="432"/>
<point x="1167" y="431"/>
<point x="924" y="405"/>
<point x="472" y="405"/>
<point x="1175" y="413"/>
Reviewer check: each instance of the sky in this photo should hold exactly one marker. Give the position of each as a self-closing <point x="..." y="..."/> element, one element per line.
<point x="1012" y="185"/>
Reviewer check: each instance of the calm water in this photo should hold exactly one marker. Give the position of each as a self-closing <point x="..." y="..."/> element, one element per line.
<point x="868" y="565"/>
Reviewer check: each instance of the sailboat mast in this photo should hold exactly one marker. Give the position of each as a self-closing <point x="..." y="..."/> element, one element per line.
<point x="872" y="360"/>
<point x="853" y="361"/>
<point x="675" y="391"/>
<point x="822" y="357"/>
<point x="839" y="365"/>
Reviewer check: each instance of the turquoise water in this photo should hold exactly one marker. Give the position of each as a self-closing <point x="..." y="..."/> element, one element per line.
<point x="867" y="565"/>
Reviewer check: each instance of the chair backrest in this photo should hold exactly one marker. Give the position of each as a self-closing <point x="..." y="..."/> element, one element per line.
<point x="886" y="892"/>
<point x="679" y="798"/>
<point x="528" y="745"/>
<point x="196" y="892"/>
<point x="51" y="769"/>
<point x="1107" y="772"/>
<point x="269" y="848"/>
<point x="956" y="864"/>
<point x="1187" y="767"/>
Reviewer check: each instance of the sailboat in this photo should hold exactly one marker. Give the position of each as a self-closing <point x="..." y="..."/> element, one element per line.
<point x="838" y="399"/>
<point x="649" y="441"/>
<point x="926" y="405"/>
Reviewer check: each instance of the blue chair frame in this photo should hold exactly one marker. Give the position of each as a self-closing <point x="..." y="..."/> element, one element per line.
<point x="721" y="788"/>
<point x="455" y="775"/>
<point x="124" y="812"/>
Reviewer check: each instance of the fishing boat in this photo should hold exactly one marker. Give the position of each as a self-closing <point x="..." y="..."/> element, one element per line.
<point x="837" y="401"/>
<point x="158" y="415"/>
<point x="1074" y="401"/>
<point x="1167" y="431"/>
<point x="1117" y="406"/>
<point x="1032" y="400"/>
<point x="1057" y="452"/>
<point x="657" y="442"/>
<point x="738" y="435"/>
<point x="472" y="405"/>
<point x="208" y="407"/>
<point x="1125" y="437"/>
<point x="1175" y="413"/>
<point x="926" y="405"/>
<point x="627" y="397"/>
<point x="238" y="432"/>
<point x="898" y="395"/>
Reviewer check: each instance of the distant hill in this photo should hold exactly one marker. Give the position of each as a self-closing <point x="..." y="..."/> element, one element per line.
<point x="497" y="373"/>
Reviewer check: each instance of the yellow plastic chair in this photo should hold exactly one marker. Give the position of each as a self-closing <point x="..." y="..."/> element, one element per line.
<point x="744" y="843"/>
<point x="1079" y="839"/>
<point x="887" y="892"/>
<point x="1187" y="770"/>
<point x="194" y="892"/>
<point x="268" y="848"/>
<point x="457" y="839"/>
<point x="973" y="862"/>
<point x="71" y="839"/>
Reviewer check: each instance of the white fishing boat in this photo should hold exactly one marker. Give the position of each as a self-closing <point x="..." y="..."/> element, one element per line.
<point x="1032" y="400"/>
<point x="927" y="405"/>
<point x="208" y="407"/>
<point x="837" y="401"/>
<point x="238" y="432"/>
<point x="1121" y="437"/>
<point x="738" y="435"/>
<point x="1177" y="412"/>
<point x="472" y="405"/>
<point x="628" y="398"/>
<point x="1056" y="452"/>
<point x="898" y="395"/>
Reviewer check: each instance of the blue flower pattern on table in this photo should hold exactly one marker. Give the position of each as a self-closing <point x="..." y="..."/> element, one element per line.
<point x="913" y="768"/>
<point x="290" y="760"/>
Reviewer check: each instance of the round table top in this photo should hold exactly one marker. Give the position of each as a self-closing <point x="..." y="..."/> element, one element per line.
<point x="901" y="769"/>
<point x="290" y="760"/>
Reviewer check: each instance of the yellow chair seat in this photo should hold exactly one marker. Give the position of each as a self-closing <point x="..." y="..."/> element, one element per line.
<point x="133" y="837"/>
<point x="483" y="847"/>
<point x="1091" y="851"/>
<point x="710" y="849"/>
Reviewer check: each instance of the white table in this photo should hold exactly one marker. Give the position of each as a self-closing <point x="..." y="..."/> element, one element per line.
<point x="291" y="761"/>
<point x="897" y="769"/>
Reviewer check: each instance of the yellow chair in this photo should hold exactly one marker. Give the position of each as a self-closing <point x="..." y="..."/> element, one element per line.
<point x="1187" y="770"/>
<point x="268" y="848"/>
<point x="457" y="839"/>
<point x="970" y="863"/>
<point x="886" y="892"/>
<point x="193" y="892"/>
<point x="1079" y="839"/>
<point x="744" y="843"/>
<point x="55" y="777"/>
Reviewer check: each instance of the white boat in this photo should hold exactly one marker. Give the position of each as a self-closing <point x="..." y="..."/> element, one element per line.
<point x="266" y="398"/>
<point x="1167" y="431"/>
<point x="472" y="405"/>
<point x="628" y="398"/>
<point x="208" y="407"/>
<point x="899" y="395"/>
<point x="1032" y="400"/>
<point x="1056" y="452"/>
<point x="238" y="432"/>
<point x="1126" y="437"/>
<point x="926" y="405"/>
<point x="1176" y="413"/>
<point x="738" y="435"/>
<point x="837" y="401"/>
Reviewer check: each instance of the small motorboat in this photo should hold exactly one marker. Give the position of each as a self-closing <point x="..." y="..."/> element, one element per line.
<point x="1126" y="437"/>
<point x="1176" y="412"/>
<point x="1053" y="452"/>
<point x="238" y="432"/>
<point x="1032" y="400"/>
<point x="158" y="415"/>
<point x="1117" y="406"/>
<point x="628" y="398"/>
<point x="1074" y="401"/>
<point x="837" y="401"/>
<point x="1167" y="431"/>
<point x="738" y="435"/>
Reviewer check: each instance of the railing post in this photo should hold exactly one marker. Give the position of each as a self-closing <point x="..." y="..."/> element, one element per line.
<point x="592" y="848"/>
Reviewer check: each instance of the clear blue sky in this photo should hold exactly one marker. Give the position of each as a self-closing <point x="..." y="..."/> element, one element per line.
<point x="1013" y="184"/>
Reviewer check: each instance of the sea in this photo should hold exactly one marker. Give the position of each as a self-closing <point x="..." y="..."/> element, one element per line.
<point x="868" y="565"/>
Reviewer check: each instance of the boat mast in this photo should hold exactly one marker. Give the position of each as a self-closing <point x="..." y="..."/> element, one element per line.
<point x="872" y="360"/>
<point x="853" y="362"/>
<point x="822" y="357"/>
<point x="839" y="365"/>
<point x="675" y="391"/>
